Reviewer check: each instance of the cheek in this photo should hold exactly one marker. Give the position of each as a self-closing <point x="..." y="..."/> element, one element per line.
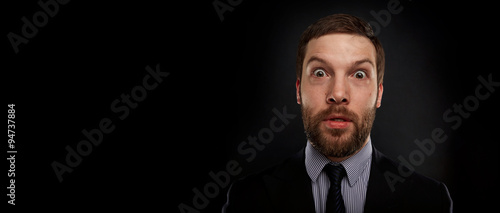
<point x="372" y="99"/>
<point x="312" y="98"/>
<point x="364" y="98"/>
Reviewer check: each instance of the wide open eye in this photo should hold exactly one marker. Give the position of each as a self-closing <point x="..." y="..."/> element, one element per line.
<point x="319" y="73"/>
<point x="360" y="74"/>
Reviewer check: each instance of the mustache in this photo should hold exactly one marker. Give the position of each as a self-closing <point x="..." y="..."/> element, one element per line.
<point x="337" y="110"/>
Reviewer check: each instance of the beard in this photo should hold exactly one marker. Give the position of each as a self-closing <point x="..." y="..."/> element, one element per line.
<point x="337" y="143"/>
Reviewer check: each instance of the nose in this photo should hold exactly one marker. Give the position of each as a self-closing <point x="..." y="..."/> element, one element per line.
<point x="338" y="92"/>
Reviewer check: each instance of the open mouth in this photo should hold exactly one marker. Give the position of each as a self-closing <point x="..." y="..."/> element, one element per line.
<point x="339" y="118"/>
<point x="337" y="122"/>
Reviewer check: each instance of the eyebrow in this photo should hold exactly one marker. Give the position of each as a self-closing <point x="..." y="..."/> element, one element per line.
<point x="314" y="58"/>
<point x="356" y="63"/>
<point x="365" y="60"/>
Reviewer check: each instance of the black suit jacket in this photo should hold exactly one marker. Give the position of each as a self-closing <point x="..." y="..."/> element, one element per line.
<point x="286" y="187"/>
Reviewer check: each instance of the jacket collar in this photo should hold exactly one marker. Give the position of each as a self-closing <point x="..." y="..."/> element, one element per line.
<point x="289" y="185"/>
<point x="379" y="196"/>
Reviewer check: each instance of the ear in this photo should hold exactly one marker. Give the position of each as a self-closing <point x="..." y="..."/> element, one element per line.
<point x="380" y="92"/>
<point x="297" y="86"/>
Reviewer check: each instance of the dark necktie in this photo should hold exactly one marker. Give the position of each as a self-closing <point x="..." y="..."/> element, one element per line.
<point x="335" y="202"/>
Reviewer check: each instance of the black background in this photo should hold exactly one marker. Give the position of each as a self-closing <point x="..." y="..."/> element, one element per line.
<point x="226" y="77"/>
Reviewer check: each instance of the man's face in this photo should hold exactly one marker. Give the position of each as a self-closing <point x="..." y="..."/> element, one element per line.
<point x="338" y="93"/>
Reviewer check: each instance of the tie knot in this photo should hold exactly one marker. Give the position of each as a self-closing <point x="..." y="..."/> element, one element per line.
<point x="335" y="173"/>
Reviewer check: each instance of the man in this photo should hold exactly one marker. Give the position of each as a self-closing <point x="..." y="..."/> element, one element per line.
<point x="340" y="70"/>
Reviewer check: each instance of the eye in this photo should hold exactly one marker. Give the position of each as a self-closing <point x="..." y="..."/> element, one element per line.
<point x="360" y="74"/>
<point x="319" y="73"/>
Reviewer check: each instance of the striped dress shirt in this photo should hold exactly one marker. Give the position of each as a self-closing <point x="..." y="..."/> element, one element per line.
<point x="354" y="185"/>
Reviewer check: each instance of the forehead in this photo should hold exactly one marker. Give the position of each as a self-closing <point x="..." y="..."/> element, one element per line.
<point x="340" y="48"/>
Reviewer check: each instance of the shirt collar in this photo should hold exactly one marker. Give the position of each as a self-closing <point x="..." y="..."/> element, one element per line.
<point x="354" y="166"/>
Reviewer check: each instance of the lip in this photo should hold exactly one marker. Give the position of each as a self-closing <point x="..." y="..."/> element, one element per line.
<point x="335" y="124"/>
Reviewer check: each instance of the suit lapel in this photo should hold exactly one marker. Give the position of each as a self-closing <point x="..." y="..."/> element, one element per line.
<point x="379" y="196"/>
<point x="289" y="186"/>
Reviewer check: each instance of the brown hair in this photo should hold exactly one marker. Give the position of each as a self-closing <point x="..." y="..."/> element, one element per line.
<point x="340" y="23"/>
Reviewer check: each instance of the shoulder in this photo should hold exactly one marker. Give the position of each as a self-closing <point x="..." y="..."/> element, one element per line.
<point x="260" y="191"/>
<point x="411" y="189"/>
<point x="279" y="171"/>
<point x="248" y="194"/>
